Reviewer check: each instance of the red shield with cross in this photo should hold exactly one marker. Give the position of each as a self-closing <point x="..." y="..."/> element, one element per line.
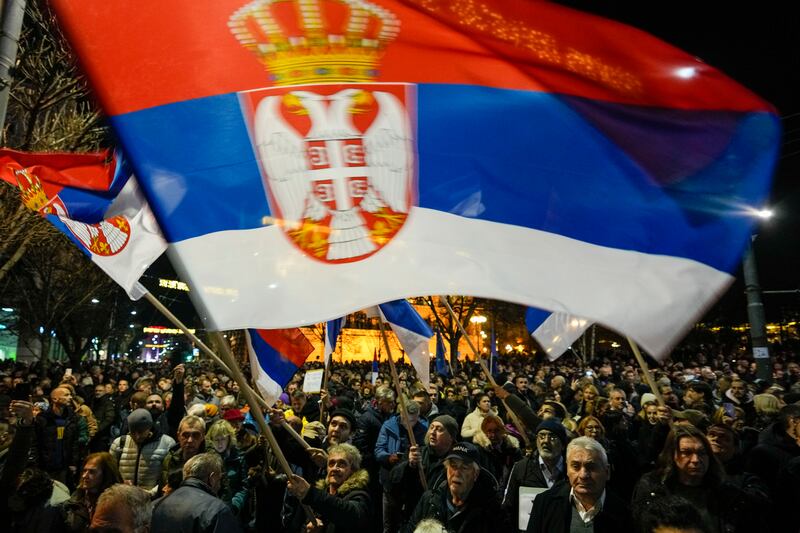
<point x="338" y="164"/>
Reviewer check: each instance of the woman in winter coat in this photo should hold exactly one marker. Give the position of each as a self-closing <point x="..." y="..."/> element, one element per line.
<point x="472" y="423"/>
<point x="221" y="437"/>
<point x="341" y="500"/>
<point x="99" y="472"/>
<point x="499" y="450"/>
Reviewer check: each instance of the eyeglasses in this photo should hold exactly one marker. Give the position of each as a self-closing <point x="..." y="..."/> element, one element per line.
<point x="545" y="435"/>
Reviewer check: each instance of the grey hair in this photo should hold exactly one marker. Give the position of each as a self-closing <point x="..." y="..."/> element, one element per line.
<point x="384" y="393"/>
<point x="230" y="399"/>
<point x="412" y="407"/>
<point x="430" y="525"/>
<point x="202" y="465"/>
<point x="135" y="499"/>
<point x="192" y="421"/>
<point x="475" y="466"/>
<point x="588" y="444"/>
<point x="350" y="452"/>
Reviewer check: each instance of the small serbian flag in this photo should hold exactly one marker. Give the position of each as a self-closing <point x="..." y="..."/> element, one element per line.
<point x="275" y="356"/>
<point x="412" y="332"/>
<point x="332" y="330"/>
<point x="95" y="201"/>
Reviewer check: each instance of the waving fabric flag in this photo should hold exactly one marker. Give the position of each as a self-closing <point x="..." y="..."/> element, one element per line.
<point x="96" y="202"/>
<point x="520" y="151"/>
<point x="441" y="363"/>
<point x="413" y="334"/>
<point x="555" y="332"/>
<point x="332" y="330"/>
<point x="275" y="356"/>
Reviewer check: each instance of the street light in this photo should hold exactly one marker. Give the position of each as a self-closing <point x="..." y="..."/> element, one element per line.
<point x="478" y="320"/>
<point x="755" y="306"/>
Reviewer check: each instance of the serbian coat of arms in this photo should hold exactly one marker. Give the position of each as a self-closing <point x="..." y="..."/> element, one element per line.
<point x="336" y="149"/>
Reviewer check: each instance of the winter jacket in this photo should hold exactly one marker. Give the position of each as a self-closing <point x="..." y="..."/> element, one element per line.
<point x="774" y="450"/>
<point x="725" y="507"/>
<point x="193" y="508"/>
<point x="525" y="473"/>
<point x="552" y="512"/>
<point x="472" y="424"/>
<point x="234" y="492"/>
<point x="499" y="460"/>
<point x="55" y="454"/>
<point x="479" y="514"/>
<point x="91" y="422"/>
<point x="393" y="439"/>
<point x="105" y="413"/>
<point x="350" y="509"/>
<point x="142" y="465"/>
<point x="404" y="480"/>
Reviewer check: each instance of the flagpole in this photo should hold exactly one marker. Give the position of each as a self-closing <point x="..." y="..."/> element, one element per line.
<point x="324" y="376"/>
<point x="232" y="369"/>
<point x="400" y="398"/>
<point x="646" y="370"/>
<point x="514" y="418"/>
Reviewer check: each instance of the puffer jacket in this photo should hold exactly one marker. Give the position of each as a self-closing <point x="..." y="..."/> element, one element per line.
<point x="142" y="465"/>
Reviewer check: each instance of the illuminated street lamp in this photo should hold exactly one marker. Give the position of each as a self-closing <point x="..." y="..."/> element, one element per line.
<point x="478" y="320"/>
<point x="755" y="306"/>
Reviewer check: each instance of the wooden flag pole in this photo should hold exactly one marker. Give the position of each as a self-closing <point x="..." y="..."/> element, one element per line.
<point x="251" y="397"/>
<point x="232" y="369"/>
<point x="514" y="418"/>
<point x="400" y="398"/>
<point x="646" y="370"/>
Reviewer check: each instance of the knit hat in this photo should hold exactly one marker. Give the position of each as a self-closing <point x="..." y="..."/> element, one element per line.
<point x="233" y="415"/>
<point x="554" y="427"/>
<point x="347" y="414"/>
<point x="211" y="410"/>
<point x="648" y="397"/>
<point x="139" y="420"/>
<point x="449" y="424"/>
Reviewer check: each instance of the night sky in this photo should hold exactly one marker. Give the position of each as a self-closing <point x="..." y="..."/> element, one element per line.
<point x="756" y="45"/>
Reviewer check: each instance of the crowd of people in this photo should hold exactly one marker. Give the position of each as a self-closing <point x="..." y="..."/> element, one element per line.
<point x="541" y="447"/>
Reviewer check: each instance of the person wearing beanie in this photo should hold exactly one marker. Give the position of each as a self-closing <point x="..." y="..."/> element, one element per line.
<point x="141" y="452"/>
<point x="427" y="456"/>
<point x="541" y="469"/>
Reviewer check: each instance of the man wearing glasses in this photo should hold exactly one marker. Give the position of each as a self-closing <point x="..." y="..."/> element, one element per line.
<point x="542" y="469"/>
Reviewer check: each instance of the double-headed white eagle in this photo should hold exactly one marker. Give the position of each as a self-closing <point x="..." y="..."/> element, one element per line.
<point x="387" y="145"/>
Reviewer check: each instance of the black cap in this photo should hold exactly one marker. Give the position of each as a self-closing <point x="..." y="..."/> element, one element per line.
<point x="139" y="420"/>
<point x="345" y="413"/>
<point x="464" y="451"/>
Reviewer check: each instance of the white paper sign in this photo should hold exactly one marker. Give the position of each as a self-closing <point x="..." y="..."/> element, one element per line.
<point x="760" y="352"/>
<point x="312" y="383"/>
<point x="526" y="497"/>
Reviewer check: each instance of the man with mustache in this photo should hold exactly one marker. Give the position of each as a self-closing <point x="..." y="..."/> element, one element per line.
<point x="543" y="468"/>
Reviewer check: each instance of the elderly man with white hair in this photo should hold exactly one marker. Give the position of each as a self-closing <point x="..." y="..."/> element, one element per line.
<point x="581" y="503"/>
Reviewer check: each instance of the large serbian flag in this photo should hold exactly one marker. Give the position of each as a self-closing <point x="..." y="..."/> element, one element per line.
<point x="95" y="201"/>
<point x="314" y="157"/>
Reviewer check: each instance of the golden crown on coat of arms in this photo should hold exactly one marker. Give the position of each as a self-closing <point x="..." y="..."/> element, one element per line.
<point x="30" y="190"/>
<point x="315" y="41"/>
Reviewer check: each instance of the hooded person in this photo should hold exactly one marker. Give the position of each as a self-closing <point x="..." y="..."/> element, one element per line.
<point x="141" y="452"/>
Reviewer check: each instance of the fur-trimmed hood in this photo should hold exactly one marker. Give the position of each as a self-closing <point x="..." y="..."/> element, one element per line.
<point x="359" y="480"/>
<point x="480" y="439"/>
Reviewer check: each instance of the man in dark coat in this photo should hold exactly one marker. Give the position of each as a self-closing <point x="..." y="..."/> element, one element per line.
<point x="778" y="444"/>
<point x="468" y="502"/>
<point x="582" y="502"/>
<point x="194" y="506"/>
<point x="105" y="412"/>
<point x="57" y="450"/>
